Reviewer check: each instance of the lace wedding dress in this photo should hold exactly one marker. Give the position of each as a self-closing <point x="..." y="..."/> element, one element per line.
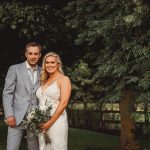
<point x="58" y="132"/>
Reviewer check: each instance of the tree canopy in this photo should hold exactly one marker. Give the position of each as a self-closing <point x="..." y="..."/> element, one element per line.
<point x="116" y="35"/>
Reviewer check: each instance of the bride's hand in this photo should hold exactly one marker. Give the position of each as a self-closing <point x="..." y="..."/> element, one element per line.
<point x="45" y="126"/>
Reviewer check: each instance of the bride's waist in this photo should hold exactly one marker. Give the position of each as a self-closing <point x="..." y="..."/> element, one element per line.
<point x="52" y="103"/>
<point x="49" y="102"/>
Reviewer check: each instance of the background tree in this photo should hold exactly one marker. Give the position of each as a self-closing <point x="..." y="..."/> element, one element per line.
<point x="26" y="21"/>
<point x="117" y="34"/>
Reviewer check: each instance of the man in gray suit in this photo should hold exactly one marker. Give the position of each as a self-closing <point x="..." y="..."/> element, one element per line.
<point x="19" y="96"/>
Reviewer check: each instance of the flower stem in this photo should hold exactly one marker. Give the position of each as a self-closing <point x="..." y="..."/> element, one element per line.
<point x="46" y="138"/>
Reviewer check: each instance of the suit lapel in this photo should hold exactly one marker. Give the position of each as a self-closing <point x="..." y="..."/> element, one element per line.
<point x="25" y="76"/>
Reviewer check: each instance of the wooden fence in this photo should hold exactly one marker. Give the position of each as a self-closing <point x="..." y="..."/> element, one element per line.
<point x="98" y="117"/>
<point x="104" y="118"/>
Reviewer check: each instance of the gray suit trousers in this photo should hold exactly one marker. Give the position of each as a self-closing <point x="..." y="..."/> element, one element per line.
<point x="14" y="139"/>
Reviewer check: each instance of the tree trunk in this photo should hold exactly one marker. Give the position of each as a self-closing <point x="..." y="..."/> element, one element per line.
<point x="127" y="139"/>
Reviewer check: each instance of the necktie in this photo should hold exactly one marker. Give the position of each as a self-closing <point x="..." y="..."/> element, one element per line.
<point x="32" y="75"/>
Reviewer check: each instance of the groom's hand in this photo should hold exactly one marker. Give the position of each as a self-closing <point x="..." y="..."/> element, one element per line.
<point x="11" y="121"/>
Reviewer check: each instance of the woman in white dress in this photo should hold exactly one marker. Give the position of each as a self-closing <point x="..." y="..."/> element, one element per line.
<point x="55" y="89"/>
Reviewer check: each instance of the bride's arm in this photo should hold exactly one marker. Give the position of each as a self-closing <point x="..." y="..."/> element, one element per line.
<point x="65" y="91"/>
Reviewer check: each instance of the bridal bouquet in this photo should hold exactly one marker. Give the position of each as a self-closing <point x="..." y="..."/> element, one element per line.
<point x="35" y="118"/>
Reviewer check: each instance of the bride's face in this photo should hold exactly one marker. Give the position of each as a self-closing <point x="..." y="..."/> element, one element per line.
<point x="51" y="64"/>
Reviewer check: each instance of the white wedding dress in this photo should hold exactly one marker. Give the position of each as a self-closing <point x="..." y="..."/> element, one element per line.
<point x="58" y="132"/>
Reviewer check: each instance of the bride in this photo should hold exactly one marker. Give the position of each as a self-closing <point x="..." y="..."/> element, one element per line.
<point x="55" y="89"/>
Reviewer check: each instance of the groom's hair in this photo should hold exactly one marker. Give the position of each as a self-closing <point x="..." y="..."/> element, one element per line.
<point x="33" y="44"/>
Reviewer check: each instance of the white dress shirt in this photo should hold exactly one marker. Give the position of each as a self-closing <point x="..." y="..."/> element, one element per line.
<point x="29" y="72"/>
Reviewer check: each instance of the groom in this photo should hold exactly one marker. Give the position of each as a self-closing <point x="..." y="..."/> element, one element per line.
<point x="19" y="96"/>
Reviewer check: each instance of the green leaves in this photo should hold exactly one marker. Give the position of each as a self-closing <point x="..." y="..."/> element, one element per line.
<point x="27" y="20"/>
<point x="129" y="18"/>
<point x="36" y="117"/>
<point x="117" y="32"/>
<point x="83" y="84"/>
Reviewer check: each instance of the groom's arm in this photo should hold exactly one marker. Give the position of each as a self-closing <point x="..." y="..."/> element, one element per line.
<point x="8" y="96"/>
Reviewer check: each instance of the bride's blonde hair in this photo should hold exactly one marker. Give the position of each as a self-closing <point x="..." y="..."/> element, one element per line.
<point x="44" y="75"/>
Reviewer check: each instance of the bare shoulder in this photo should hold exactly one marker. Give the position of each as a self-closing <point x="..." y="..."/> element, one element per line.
<point x="65" y="79"/>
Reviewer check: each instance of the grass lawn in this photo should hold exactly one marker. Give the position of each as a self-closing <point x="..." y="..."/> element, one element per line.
<point x="88" y="140"/>
<point x="79" y="140"/>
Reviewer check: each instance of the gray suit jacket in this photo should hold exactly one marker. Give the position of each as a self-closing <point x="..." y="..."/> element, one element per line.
<point x="16" y="93"/>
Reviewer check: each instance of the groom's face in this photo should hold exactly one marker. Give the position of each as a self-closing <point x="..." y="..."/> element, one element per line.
<point x="33" y="55"/>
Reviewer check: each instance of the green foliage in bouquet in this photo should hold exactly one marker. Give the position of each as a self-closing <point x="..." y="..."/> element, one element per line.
<point x="35" y="118"/>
